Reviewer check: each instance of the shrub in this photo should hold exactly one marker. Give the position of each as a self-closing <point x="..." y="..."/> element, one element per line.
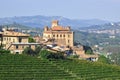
<point x="73" y="56"/>
<point x="88" y="50"/>
<point x="103" y="59"/>
<point x="31" y="40"/>
<point x="29" y="51"/>
<point x="38" y="49"/>
<point x="2" y="51"/>
<point x="49" y="55"/>
<point x="44" y="53"/>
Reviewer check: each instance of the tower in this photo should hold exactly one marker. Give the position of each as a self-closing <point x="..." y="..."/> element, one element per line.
<point x="54" y="23"/>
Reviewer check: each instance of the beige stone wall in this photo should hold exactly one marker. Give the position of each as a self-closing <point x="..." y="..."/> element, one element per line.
<point x="24" y="39"/>
<point x="14" y="39"/>
<point x="62" y="37"/>
<point x="20" y="48"/>
<point x="8" y="40"/>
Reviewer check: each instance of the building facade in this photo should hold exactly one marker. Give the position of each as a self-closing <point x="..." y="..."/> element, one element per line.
<point x="16" y="42"/>
<point x="62" y="36"/>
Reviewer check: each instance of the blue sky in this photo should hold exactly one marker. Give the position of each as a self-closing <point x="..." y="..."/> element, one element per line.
<point x="74" y="9"/>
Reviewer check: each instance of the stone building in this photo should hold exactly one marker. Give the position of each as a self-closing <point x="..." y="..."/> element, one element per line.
<point x="16" y="42"/>
<point x="62" y="36"/>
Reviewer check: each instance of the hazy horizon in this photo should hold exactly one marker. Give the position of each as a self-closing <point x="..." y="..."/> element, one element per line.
<point x="72" y="9"/>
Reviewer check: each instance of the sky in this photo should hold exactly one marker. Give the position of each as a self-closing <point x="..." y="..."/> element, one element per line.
<point x="73" y="9"/>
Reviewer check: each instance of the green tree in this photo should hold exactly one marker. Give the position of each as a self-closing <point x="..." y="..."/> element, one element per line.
<point x="29" y="51"/>
<point x="103" y="59"/>
<point x="50" y="55"/>
<point x="31" y="40"/>
<point x="38" y="49"/>
<point x="88" y="50"/>
<point x="3" y="51"/>
<point x="44" y="53"/>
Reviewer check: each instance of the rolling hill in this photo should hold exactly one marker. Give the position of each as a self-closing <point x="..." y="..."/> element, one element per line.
<point x="22" y="67"/>
<point x="41" y="21"/>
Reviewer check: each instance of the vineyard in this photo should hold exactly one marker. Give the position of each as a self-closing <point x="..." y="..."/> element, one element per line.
<point x="23" y="67"/>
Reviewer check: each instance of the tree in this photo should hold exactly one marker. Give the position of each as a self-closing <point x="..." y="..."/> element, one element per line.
<point x="29" y="51"/>
<point x="88" y="50"/>
<point x="31" y="40"/>
<point x="50" y="55"/>
<point x="38" y="49"/>
<point x="44" y="54"/>
<point x="103" y="59"/>
<point x="3" y="51"/>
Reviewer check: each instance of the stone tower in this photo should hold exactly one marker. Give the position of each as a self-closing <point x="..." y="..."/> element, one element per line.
<point x="54" y="23"/>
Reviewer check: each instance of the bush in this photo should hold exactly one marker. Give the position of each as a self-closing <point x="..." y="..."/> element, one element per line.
<point x="103" y="59"/>
<point x="2" y="51"/>
<point x="88" y="50"/>
<point x="38" y="49"/>
<point x="31" y="40"/>
<point x="29" y="51"/>
<point x="49" y="55"/>
<point x="73" y="56"/>
<point x="44" y="53"/>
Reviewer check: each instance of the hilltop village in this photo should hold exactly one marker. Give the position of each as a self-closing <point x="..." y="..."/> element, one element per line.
<point x="56" y="38"/>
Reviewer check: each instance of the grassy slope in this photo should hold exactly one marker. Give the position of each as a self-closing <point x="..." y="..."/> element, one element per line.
<point x="19" y="67"/>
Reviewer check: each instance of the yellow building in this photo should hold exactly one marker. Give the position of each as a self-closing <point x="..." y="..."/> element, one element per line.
<point x="16" y="42"/>
<point x="62" y="35"/>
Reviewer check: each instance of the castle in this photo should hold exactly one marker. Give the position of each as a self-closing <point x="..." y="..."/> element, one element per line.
<point x="63" y="36"/>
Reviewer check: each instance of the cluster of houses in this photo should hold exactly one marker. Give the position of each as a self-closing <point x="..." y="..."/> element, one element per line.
<point x="56" y="37"/>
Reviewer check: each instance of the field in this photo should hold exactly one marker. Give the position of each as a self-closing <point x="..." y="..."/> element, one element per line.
<point x="22" y="67"/>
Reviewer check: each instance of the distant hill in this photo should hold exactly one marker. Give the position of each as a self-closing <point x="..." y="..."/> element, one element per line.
<point x="41" y="21"/>
<point x="106" y="26"/>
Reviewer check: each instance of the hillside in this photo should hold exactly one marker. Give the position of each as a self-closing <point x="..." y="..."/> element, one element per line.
<point x="41" y="21"/>
<point x="19" y="67"/>
<point x="107" y="26"/>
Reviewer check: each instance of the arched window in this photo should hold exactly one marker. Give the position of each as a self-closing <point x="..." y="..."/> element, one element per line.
<point x="49" y="36"/>
<point x="53" y="35"/>
<point x="60" y="35"/>
<point x="64" y="35"/>
<point x="57" y="35"/>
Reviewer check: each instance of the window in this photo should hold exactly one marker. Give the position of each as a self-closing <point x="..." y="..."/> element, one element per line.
<point x="57" y="35"/>
<point x="16" y="46"/>
<point x="64" y="35"/>
<point x="68" y="41"/>
<point x="53" y="35"/>
<point x="68" y="35"/>
<point x="20" y="39"/>
<point x="49" y="36"/>
<point x="60" y="35"/>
